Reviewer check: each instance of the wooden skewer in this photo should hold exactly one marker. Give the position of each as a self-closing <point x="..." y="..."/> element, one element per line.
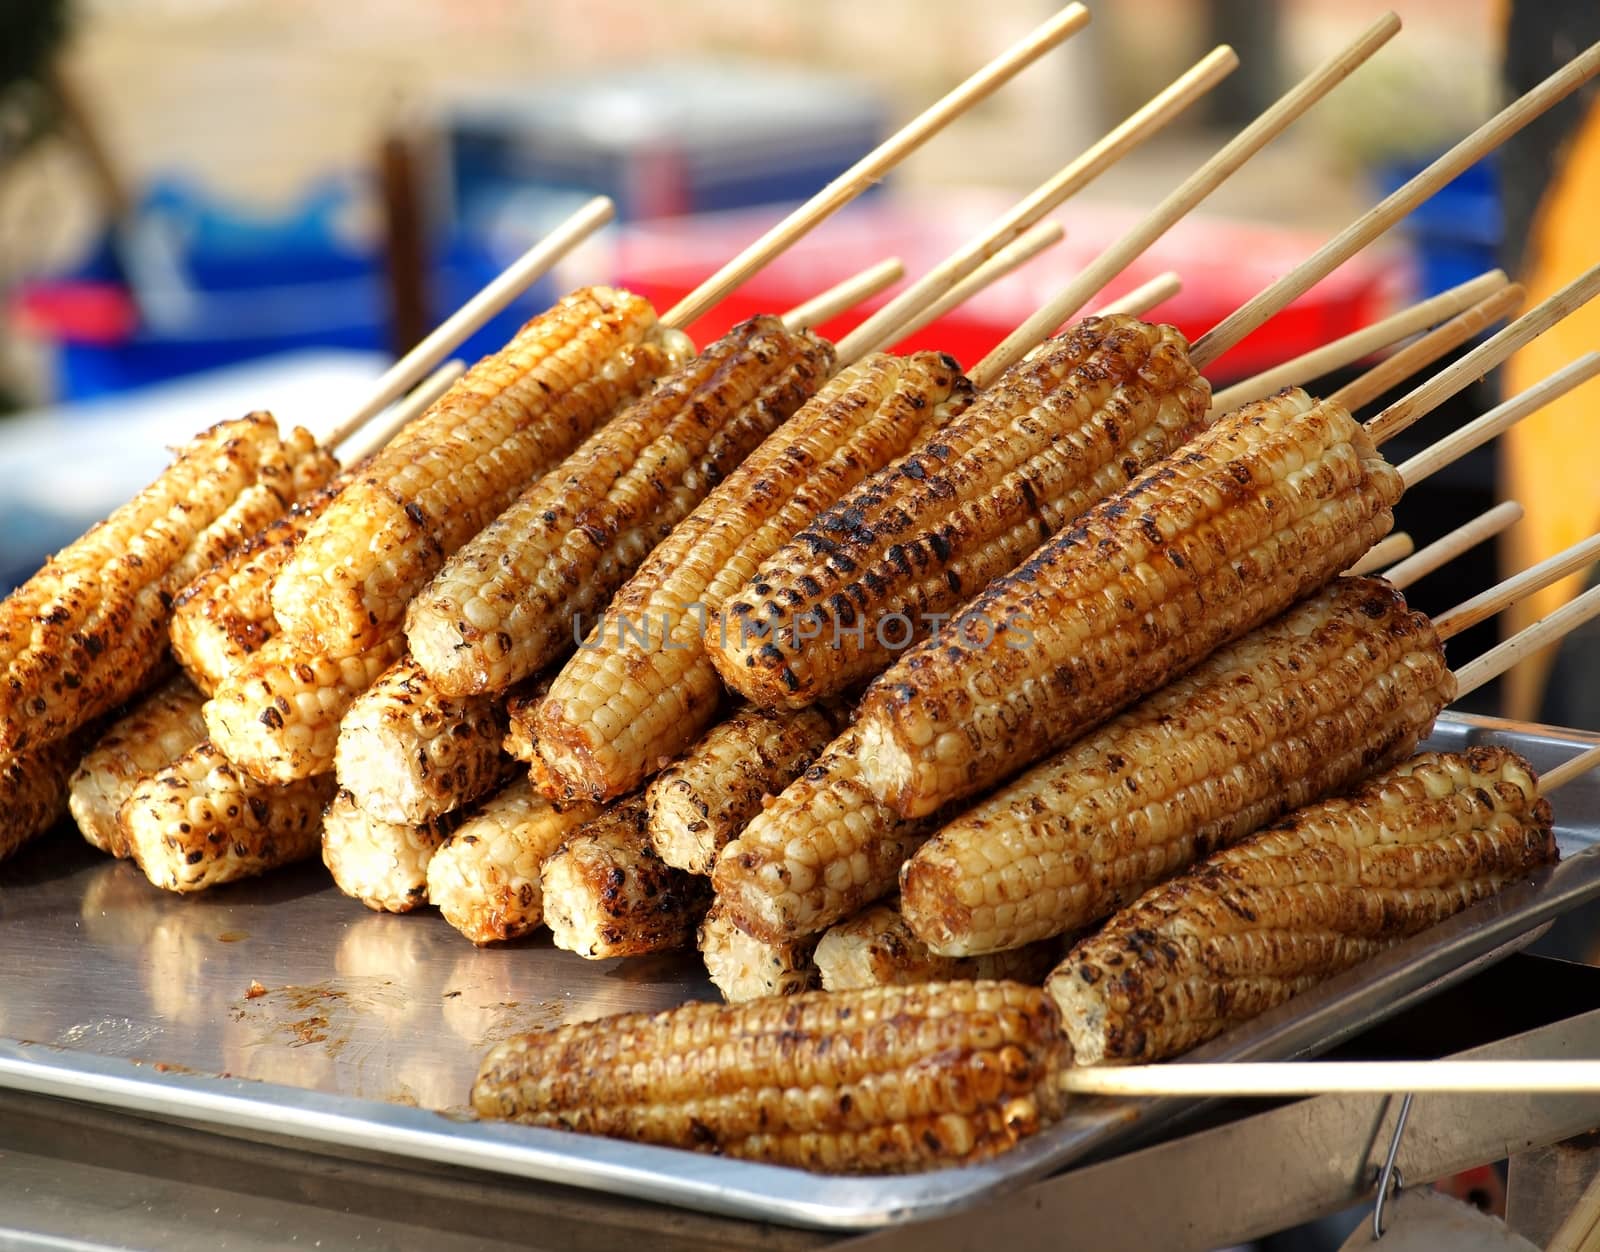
<point x="1504" y="594"/>
<point x="1581" y="1231"/>
<point x="876" y="163"/>
<point x="828" y="304"/>
<point x="1373" y="223"/>
<point x="1436" y="344"/>
<point x="1568" y="770"/>
<point x="885" y="326"/>
<point x="1531" y="639"/>
<point x="1386" y="551"/>
<point x="1013" y="256"/>
<point x="1144" y="297"/>
<point x="451" y="333"/>
<point x="1485" y="357"/>
<point x="412" y="406"/>
<point x="1360" y="344"/>
<point x="1463" y="538"/>
<point x="1194" y="189"/>
<point x="1290" y="1078"/>
<point x="1499" y="419"/>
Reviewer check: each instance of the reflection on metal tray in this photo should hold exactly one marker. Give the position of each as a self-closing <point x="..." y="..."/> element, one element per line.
<point x="280" y="1007"/>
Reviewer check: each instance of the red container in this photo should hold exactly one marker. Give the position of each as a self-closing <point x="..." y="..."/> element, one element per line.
<point x="1222" y="263"/>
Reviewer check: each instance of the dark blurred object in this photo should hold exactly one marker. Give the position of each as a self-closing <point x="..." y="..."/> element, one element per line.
<point x="406" y="247"/>
<point x="1457" y="232"/>
<point x="1572" y="693"/>
<point x="660" y="141"/>
<point x="31" y="32"/>
<point x="1254" y="29"/>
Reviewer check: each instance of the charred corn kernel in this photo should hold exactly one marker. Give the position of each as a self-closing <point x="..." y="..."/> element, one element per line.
<point x="407" y="754"/>
<point x="88" y="631"/>
<point x="452" y="470"/>
<point x="1303" y="900"/>
<point x="1264" y="507"/>
<point x="519" y="743"/>
<point x="33" y="792"/>
<point x="641" y="689"/>
<point x="225" y="614"/>
<point x="885" y="1080"/>
<point x="159" y="729"/>
<point x="277" y="716"/>
<point x="607" y="893"/>
<point x="382" y="864"/>
<point x="823" y="850"/>
<point x="507" y="603"/>
<point x="876" y="948"/>
<point x="743" y="968"/>
<point x="703" y="800"/>
<point x="1346" y="683"/>
<point x="201" y="821"/>
<point x="486" y="878"/>
<point x="887" y="564"/>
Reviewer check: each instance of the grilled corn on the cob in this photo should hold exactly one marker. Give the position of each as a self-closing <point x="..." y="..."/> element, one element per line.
<point x="889" y="562"/>
<point x="504" y="606"/>
<point x="607" y="893"/>
<point x="201" y="821"/>
<point x="1267" y="505"/>
<point x="1321" y="891"/>
<point x="382" y="864"/>
<point x="34" y="791"/>
<point x="277" y="716"/>
<point x="878" y="1081"/>
<point x="88" y="631"/>
<point x="700" y="802"/>
<point x="824" y="849"/>
<point x="486" y="878"/>
<point x="641" y="688"/>
<point x="1346" y="683"/>
<point x="452" y="470"/>
<point x="159" y="729"/>
<point x="407" y="754"/>
<point x="743" y="968"/>
<point x="876" y="948"/>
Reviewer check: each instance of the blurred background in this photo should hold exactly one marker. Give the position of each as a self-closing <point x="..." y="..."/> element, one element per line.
<point x="209" y="206"/>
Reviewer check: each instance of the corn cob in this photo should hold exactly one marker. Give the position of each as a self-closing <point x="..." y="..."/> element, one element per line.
<point x="1346" y="683"/>
<point x="821" y="852"/>
<point x="382" y="864"/>
<point x="522" y="744"/>
<point x="702" y="801"/>
<point x="885" y="1080"/>
<point x="626" y="704"/>
<point x="889" y="562"/>
<point x="452" y="470"/>
<point x="486" y="879"/>
<point x="277" y="716"/>
<point x="1321" y="891"/>
<point x="407" y="754"/>
<point x="225" y="614"/>
<point x="1262" y="508"/>
<point x="743" y="968"/>
<point x="158" y="729"/>
<point x="506" y="604"/>
<point x="88" y="631"/>
<point x="34" y="791"/>
<point x="607" y="893"/>
<point x="202" y="821"/>
<point x="876" y="948"/>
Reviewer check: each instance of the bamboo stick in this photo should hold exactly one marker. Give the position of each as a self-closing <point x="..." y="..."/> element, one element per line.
<point x="451" y="333"/>
<point x="1437" y="343"/>
<point x="412" y="406"/>
<point x="1144" y="297"/>
<point x="1293" y="1078"/>
<point x="1483" y="606"/>
<point x="885" y="326"/>
<point x="1360" y="344"/>
<point x="1392" y="208"/>
<point x="1568" y="770"/>
<point x="1547" y="630"/>
<point x="826" y="305"/>
<point x="1386" y="551"/>
<point x="876" y="163"/>
<point x="1463" y="538"/>
<point x="1193" y="190"/>
<point x="1499" y="419"/>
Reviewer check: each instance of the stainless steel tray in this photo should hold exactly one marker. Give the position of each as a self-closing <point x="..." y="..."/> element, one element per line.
<point x="279" y="1007"/>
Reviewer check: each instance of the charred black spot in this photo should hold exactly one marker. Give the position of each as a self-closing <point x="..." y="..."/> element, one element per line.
<point x="415" y="513"/>
<point x="913" y="469"/>
<point x="940" y="545"/>
<point x="271" y="718"/>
